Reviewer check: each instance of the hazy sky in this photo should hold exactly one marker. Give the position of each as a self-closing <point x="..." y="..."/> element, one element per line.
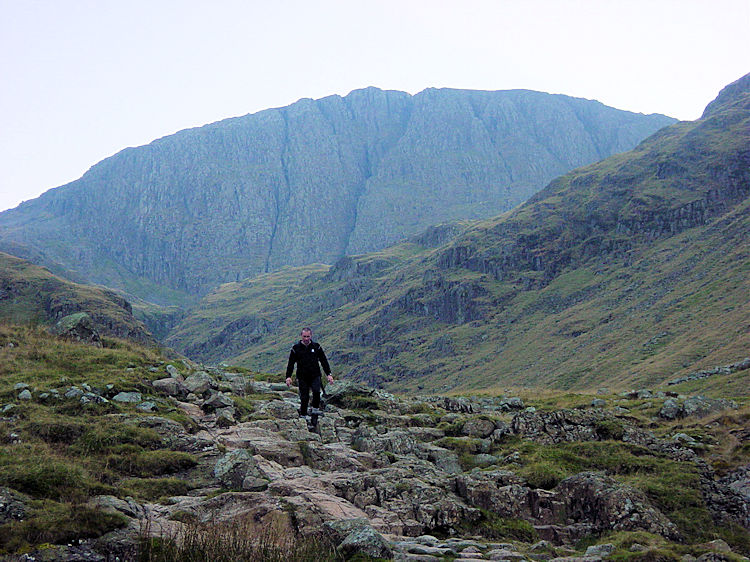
<point x="82" y="80"/>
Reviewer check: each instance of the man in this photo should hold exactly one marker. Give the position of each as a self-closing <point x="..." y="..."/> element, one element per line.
<point x="309" y="356"/>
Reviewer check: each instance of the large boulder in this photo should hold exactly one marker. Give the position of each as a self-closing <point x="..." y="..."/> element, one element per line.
<point x="238" y="470"/>
<point x="345" y="392"/>
<point x="365" y="540"/>
<point x="200" y="382"/>
<point x="78" y="327"/>
<point x="594" y="498"/>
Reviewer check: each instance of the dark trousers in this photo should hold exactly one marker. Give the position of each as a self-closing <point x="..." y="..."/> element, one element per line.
<point x="304" y="395"/>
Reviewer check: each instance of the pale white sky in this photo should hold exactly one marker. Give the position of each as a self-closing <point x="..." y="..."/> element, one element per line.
<point x="83" y="79"/>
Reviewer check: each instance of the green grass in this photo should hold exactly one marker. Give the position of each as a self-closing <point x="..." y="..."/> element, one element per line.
<point x="153" y="489"/>
<point x="56" y="523"/>
<point x="66" y="452"/>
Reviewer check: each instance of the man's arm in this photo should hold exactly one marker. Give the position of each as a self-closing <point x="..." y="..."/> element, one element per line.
<point x="290" y="367"/>
<point x="324" y="363"/>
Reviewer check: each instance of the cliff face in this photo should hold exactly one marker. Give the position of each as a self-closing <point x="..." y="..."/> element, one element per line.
<point x="309" y="183"/>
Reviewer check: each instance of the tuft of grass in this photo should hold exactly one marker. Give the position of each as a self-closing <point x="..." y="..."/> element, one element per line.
<point x="40" y="473"/>
<point x="495" y="527"/>
<point x="106" y="437"/>
<point x="153" y="488"/>
<point x="150" y="463"/>
<point x="54" y="429"/>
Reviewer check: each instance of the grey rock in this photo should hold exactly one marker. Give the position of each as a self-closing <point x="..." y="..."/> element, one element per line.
<point x="503" y="554"/>
<point x="24" y="395"/>
<point x="128" y="507"/>
<point x="200" y="382"/>
<point x="683" y="439"/>
<point x="602" y="550"/>
<point x="700" y="406"/>
<point x="365" y="540"/>
<point x="598" y="403"/>
<point x="478" y="427"/>
<point x="239" y="470"/>
<point x="484" y="459"/>
<point x="20" y="386"/>
<point x="73" y="392"/>
<point x="127" y="397"/>
<point x="170" y="387"/>
<point x="217" y="400"/>
<point x="13" y="505"/>
<point x="279" y="409"/>
<point x="671" y="409"/>
<point x="225" y="417"/>
<point x="173" y="372"/>
<point x="78" y="327"/>
<point x="147" y="406"/>
<point x="91" y="398"/>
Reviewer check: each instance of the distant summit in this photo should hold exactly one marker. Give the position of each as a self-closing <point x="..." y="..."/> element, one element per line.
<point x="734" y="92"/>
<point x="309" y="183"/>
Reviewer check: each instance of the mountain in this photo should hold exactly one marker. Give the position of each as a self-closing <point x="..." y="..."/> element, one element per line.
<point x="30" y="294"/>
<point x="308" y="183"/>
<point x="626" y="272"/>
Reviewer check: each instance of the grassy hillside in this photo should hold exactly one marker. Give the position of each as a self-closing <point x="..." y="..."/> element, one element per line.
<point x="625" y="273"/>
<point x="31" y="294"/>
<point x="60" y="452"/>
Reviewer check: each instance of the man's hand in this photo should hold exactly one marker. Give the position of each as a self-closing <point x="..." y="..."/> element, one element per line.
<point x="289" y="381"/>
<point x="330" y="378"/>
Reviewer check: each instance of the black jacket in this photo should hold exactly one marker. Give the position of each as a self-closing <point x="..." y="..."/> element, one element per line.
<point x="308" y="359"/>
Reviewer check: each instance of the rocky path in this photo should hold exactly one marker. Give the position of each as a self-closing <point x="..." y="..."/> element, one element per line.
<point x="402" y="478"/>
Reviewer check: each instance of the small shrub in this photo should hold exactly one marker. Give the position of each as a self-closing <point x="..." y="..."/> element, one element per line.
<point x="544" y="476"/>
<point x="453" y="429"/>
<point x="419" y="408"/>
<point x="610" y="429"/>
<point x="357" y="402"/>
<point x="493" y="526"/>
<point x="466" y="445"/>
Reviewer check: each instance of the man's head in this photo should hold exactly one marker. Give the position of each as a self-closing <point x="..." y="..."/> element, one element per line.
<point x="306" y="336"/>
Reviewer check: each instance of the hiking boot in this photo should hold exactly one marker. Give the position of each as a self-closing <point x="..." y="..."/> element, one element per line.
<point x="317" y="412"/>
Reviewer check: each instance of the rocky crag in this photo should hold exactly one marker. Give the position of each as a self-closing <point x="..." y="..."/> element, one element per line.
<point x="29" y="293"/>
<point x="308" y="183"/>
<point x="423" y="478"/>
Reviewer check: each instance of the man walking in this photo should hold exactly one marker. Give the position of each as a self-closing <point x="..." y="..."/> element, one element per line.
<point x="309" y="357"/>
